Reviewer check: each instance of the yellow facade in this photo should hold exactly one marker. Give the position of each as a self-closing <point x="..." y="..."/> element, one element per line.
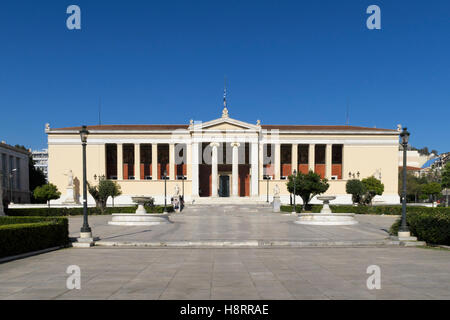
<point x="361" y="152"/>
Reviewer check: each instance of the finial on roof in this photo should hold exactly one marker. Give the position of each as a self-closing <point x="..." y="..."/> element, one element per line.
<point x="47" y="126"/>
<point x="258" y="122"/>
<point x="399" y="127"/>
<point x="225" y="109"/>
<point x="225" y="113"/>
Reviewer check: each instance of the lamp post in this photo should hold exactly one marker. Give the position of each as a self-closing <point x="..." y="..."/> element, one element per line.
<point x="267" y="192"/>
<point x="295" y="176"/>
<point x="403" y="231"/>
<point x="11" y="175"/>
<point x="165" y="191"/>
<point x="85" y="231"/>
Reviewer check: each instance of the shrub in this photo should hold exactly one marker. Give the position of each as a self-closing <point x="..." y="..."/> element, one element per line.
<point x="307" y="186"/>
<point x="25" y="234"/>
<point x="289" y="209"/>
<point x="356" y="188"/>
<point x="46" y="193"/>
<point x="104" y="190"/>
<point x="430" y="226"/>
<point x="79" y="211"/>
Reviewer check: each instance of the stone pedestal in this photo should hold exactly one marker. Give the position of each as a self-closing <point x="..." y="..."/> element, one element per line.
<point x="405" y="239"/>
<point x="141" y="217"/>
<point x="70" y="196"/>
<point x="326" y="217"/>
<point x="276" y="204"/>
<point x="176" y="202"/>
<point x="84" y="241"/>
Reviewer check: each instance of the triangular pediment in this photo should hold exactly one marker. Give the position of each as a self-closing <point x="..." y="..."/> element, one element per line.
<point x="224" y="124"/>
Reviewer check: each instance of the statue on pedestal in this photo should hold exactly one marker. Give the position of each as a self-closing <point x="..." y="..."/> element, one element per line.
<point x="176" y="201"/>
<point x="69" y="190"/>
<point x="276" y="199"/>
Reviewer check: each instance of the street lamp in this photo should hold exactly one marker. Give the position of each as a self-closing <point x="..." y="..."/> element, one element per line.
<point x="85" y="231"/>
<point x="165" y="191"/>
<point x="403" y="230"/>
<point x="11" y="175"/>
<point x="295" y="176"/>
<point x="267" y="179"/>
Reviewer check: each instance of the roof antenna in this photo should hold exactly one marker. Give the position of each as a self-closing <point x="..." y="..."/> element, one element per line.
<point x="225" y="92"/>
<point x="100" y="112"/>
<point x="347" y="119"/>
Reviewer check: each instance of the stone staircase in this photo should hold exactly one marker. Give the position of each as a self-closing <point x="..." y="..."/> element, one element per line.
<point x="227" y="201"/>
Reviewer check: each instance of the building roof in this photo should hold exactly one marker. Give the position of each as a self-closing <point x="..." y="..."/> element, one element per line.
<point x="169" y="127"/>
<point x="323" y="128"/>
<point x="410" y="168"/>
<point x="12" y="148"/>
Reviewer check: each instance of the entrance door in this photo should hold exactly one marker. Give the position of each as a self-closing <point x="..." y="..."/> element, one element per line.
<point x="224" y="186"/>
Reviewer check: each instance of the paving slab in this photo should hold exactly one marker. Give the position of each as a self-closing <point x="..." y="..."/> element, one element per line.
<point x="238" y="225"/>
<point x="288" y="273"/>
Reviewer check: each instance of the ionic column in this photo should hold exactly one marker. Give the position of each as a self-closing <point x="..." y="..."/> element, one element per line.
<point x="254" y="170"/>
<point x="119" y="161"/>
<point x="311" y="157"/>
<point x="188" y="161"/>
<point x="261" y="160"/>
<point x="137" y="161"/>
<point x="328" y="161"/>
<point x="214" y="169"/>
<point x="171" y="161"/>
<point x="154" y="161"/>
<point x="294" y="158"/>
<point x="345" y="169"/>
<point x="235" y="169"/>
<point x="277" y="161"/>
<point x="194" y="169"/>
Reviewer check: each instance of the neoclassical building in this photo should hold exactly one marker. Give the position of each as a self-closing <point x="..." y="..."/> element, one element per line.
<point x="223" y="160"/>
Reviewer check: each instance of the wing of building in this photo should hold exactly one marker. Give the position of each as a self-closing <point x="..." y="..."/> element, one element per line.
<point x="223" y="159"/>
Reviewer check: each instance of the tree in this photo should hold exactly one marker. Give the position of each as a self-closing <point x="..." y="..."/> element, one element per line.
<point x="446" y="180"/>
<point x="413" y="185"/>
<point x="432" y="189"/>
<point x="104" y="190"/>
<point x="46" y="193"/>
<point x="307" y="186"/>
<point x="373" y="187"/>
<point x="357" y="189"/>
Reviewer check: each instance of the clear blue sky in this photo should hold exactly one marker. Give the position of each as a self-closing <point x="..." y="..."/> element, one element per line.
<point x="287" y="62"/>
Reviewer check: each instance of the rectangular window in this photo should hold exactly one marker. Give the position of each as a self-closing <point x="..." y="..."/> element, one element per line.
<point x="146" y="161"/>
<point x="111" y="161"/>
<point x="285" y="160"/>
<point x="18" y="173"/>
<point x="319" y="167"/>
<point x="303" y="158"/>
<point x="336" y="160"/>
<point x="163" y="160"/>
<point x="128" y="161"/>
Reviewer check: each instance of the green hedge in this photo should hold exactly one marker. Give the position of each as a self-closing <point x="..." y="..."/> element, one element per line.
<point x="290" y="209"/>
<point x="44" y="212"/>
<point x="25" y="234"/>
<point x="428" y="226"/>
<point x="387" y="210"/>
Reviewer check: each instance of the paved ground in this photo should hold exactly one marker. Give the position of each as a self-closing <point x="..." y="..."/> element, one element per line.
<point x="321" y="273"/>
<point x="276" y="273"/>
<point x="236" y="223"/>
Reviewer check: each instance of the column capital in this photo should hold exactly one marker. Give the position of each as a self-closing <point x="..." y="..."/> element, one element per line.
<point x="214" y="144"/>
<point x="235" y="144"/>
